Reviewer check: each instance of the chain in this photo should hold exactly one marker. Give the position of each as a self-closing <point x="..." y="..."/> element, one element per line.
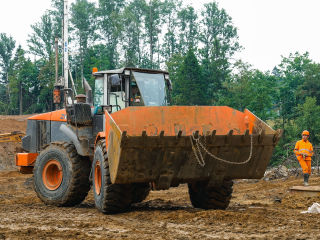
<point x="197" y="152"/>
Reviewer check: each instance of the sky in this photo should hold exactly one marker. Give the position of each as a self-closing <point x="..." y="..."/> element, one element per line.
<point x="267" y="28"/>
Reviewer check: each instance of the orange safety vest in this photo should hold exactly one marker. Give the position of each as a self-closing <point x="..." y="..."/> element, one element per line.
<point x="303" y="147"/>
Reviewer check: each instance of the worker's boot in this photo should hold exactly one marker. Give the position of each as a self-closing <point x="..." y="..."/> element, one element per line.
<point x="305" y="178"/>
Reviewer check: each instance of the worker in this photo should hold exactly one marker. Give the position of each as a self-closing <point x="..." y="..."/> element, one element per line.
<point x="304" y="151"/>
<point x="135" y="99"/>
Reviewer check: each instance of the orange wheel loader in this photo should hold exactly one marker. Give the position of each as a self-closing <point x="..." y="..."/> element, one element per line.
<point x="128" y="141"/>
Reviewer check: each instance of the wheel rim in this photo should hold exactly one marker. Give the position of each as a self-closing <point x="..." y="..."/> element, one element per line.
<point x="52" y="175"/>
<point x="97" y="178"/>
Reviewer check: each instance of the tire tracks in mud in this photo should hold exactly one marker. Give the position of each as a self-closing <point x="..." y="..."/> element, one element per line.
<point x="163" y="215"/>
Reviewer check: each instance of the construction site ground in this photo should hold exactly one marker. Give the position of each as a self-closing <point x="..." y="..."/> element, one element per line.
<point x="259" y="210"/>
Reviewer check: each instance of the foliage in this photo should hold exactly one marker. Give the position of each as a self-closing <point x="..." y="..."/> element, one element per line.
<point x="196" y="47"/>
<point x="191" y="86"/>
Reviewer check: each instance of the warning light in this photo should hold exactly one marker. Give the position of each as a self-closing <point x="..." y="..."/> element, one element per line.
<point x="94" y="70"/>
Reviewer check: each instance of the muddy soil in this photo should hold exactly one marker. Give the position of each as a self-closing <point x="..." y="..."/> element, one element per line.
<point x="10" y="124"/>
<point x="259" y="210"/>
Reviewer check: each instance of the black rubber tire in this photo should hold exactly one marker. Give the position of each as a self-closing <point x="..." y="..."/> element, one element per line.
<point x="211" y="198"/>
<point x="113" y="198"/>
<point x="76" y="171"/>
<point x="81" y="114"/>
<point x="140" y="192"/>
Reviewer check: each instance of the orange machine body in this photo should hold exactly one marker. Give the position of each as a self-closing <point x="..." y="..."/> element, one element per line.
<point x="59" y="115"/>
<point x="25" y="162"/>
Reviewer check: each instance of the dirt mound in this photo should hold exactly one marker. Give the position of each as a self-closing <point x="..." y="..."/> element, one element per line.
<point x="258" y="210"/>
<point x="8" y="150"/>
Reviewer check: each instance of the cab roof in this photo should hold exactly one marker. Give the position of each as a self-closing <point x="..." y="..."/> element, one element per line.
<point x="121" y="70"/>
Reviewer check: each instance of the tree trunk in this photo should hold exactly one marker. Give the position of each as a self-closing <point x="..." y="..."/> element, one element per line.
<point x="8" y="94"/>
<point x="151" y="50"/>
<point x="20" y="98"/>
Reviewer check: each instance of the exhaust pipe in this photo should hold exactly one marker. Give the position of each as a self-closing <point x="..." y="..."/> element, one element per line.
<point x="56" y="92"/>
<point x="88" y="90"/>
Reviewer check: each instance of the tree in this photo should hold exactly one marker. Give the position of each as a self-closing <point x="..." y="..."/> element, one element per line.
<point x="57" y="16"/>
<point x="308" y="118"/>
<point x="250" y="88"/>
<point x="311" y="85"/>
<point x="237" y="87"/>
<point x="130" y="38"/>
<point x="292" y="74"/>
<point x="109" y="22"/>
<point x="153" y="24"/>
<point x="188" y="28"/>
<point x="261" y="92"/>
<point x="220" y="39"/>
<point x="192" y="85"/>
<point x="41" y="41"/>
<point x="170" y="41"/>
<point x="7" y="45"/>
<point x="21" y="81"/>
<point x="84" y="23"/>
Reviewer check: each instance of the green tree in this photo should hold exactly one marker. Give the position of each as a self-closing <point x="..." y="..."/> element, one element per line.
<point x="7" y="45"/>
<point x="109" y="22"/>
<point x="250" y="88"/>
<point x="170" y="41"/>
<point x="57" y="16"/>
<point x="188" y="29"/>
<point x="41" y="41"/>
<point x="261" y="92"/>
<point x="84" y="24"/>
<point x="311" y="85"/>
<point x="308" y="119"/>
<point x="292" y="74"/>
<point x="220" y="41"/>
<point x="237" y="87"/>
<point x="21" y="80"/>
<point x="130" y="37"/>
<point x="153" y="24"/>
<point x="191" y="84"/>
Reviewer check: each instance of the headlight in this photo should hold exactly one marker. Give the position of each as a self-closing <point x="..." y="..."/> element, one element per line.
<point x="166" y="76"/>
<point x="127" y="72"/>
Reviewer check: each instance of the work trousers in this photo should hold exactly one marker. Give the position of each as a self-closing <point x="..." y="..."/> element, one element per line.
<point x="306" y="165"/>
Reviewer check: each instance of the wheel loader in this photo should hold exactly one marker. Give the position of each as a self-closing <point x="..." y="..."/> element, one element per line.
<point x="128" y="141"/>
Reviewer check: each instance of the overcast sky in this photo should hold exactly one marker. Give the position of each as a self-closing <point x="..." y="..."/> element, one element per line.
<point x="267" y="28"/>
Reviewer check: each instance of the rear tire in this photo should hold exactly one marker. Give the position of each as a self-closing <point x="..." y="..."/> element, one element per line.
<point x="140" y="192"/>
<point x="61" y="176"/>
<point x="108" y="197"/>
<point x="211" y="198"/>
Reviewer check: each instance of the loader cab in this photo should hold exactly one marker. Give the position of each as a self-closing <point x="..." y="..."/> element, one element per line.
<point x="132" y="87"/>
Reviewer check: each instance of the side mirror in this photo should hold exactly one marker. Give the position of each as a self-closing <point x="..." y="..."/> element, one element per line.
<point x="107" y="108"/>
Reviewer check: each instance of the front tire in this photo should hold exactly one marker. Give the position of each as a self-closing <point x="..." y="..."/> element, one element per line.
<point x="108" y="197"/>
<point x="211" y="198"/>
<point x="61" y="176"/>
<point x="140" y="191"/>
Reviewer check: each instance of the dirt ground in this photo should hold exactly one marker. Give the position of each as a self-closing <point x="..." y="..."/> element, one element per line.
<point x="10" y="124"/>
<point x="259" y="210"/>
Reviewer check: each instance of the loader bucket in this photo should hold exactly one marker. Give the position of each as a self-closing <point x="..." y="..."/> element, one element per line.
<point x="152" y="144"/>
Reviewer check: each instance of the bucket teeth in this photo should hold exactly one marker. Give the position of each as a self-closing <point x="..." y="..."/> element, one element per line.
<point x="196" y="134"/>
<point x="229" y="135"/>
<point x="160" y="138"/>
<point x="178" y="137"/>
<point x="213" y="135"/>
<point x="245" y="136"/>
<point x="261" y="135"/>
